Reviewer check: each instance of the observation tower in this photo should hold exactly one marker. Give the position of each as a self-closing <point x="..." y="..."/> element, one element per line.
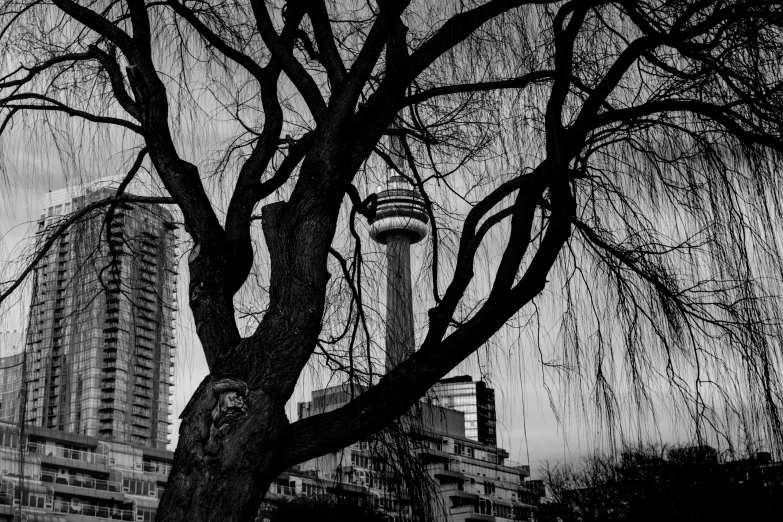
<point x="400" y="221"/>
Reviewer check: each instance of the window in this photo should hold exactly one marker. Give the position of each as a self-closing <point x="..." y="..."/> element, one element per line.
<point x="145" y="514"/>
<point x="311" y="490"/>
<point x="360" y="461"/>
<point x="139" y="487"/>
<point x="36" y="500"/>
<point x="485" y="506"/>
<point x="9" y="440"/>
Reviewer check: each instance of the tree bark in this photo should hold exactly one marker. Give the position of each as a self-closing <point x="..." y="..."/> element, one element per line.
<point x="226" y="457"/>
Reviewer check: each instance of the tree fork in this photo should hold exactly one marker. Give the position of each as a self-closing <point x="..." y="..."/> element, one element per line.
<point x="227" y="455"/>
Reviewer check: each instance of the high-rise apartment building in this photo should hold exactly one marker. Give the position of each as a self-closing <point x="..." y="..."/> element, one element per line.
<point x="100" y="338"/>
<point x="475" y="399"/>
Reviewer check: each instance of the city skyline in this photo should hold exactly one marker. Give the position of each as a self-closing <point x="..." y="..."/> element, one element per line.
<point x="527" y="425"/>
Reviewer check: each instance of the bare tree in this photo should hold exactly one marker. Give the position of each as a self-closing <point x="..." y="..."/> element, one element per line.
<point x="612" y="163"/>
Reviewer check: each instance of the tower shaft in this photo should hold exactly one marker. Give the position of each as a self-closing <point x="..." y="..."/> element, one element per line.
<point x="400" y="220"/>
<point x="400" y="339"/>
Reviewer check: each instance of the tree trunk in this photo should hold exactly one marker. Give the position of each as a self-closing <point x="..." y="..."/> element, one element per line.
<point x="226" y="455"/>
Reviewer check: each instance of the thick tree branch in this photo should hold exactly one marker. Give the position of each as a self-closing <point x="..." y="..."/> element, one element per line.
<point x="216" y="41"/>
<point x="440" y="316"/>
<point x="611" y="79"/>
<point x="251" y="190"/>
<point x="99" y="24"/>
<point x="518" y="239"/>
<point x="520" y="82"/>
<point x="282" y="53"/>
<point x="459" y="27"/>
<point x="327" y="50"/>
<point x="344" y="102"/>
<point x="112" y="68"/>
<point x="140" y="22"/>
<point x="14" y="102"/>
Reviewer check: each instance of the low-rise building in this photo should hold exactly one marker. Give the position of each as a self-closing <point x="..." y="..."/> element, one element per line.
<point x="67" y="477"/>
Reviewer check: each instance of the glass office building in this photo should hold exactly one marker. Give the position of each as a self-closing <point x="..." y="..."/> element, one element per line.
<point x="475" y="399"/>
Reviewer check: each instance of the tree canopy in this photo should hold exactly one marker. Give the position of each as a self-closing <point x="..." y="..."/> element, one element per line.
<point x="655" y="482"/>
<point x="612" y="166"/>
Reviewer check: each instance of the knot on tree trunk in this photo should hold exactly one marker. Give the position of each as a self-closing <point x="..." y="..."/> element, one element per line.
<point x="229" y="408"/>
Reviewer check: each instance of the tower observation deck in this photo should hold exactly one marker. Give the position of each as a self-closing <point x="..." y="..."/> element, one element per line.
<point x="400" y="221"/>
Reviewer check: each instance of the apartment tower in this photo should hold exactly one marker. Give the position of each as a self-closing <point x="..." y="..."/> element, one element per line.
<point x="100" y="338"/>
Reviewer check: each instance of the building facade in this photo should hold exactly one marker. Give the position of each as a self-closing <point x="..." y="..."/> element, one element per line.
<point x="11" y="341"/>
<point x="475" y="399"/>
<point x="64" y="477"/>
<point x="11" y="378"/>
<point x="100" y="338"/>
<point x="11" y="370"/>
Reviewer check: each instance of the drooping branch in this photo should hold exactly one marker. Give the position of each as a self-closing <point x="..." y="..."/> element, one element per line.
<point x="36" y="69"/>
<point x="107" y="222"/>
<point x="15" y="16"/>
<point x="16" y="103"/>
<point x="430" y="213"/>
<point x="356" y="294"/>
<point x="733" y="122"/>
